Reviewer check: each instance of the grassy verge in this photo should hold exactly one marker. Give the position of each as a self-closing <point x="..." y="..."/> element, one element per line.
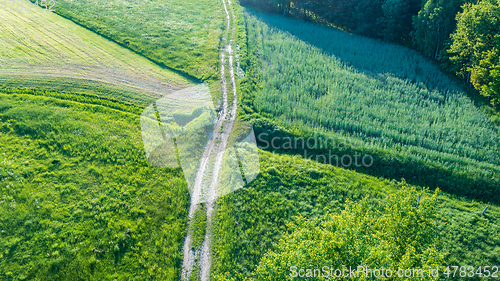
<point x="198" y="227"/>
<point x="250" y="220"/>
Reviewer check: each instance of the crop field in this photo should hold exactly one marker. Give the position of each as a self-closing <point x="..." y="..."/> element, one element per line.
<point x="41" y="47"/>
<point x="182" y="35"/>
<point x="390" y="98"/>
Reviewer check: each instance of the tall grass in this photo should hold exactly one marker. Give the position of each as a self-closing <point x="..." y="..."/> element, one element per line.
<point x="78" y="200"/>
<point x="323" y="80"/>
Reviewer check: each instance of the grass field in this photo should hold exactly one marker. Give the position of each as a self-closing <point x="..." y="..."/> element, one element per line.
<point x="39" y="48"/>
<point x="183" y="35"/>
<point x="78" y="199"/>
<point x="361" y="91"/>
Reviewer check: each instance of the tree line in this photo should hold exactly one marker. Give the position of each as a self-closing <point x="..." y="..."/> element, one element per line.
<point x="463" y="35"/>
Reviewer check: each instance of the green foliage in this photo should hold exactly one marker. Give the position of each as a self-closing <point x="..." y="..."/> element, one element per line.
<point x="388" y="19"/>
<point x="195" y="275"/>
<point x="78" y="201"/>
<point x="250" y="221"/>
<point x="476" y="47"/>
<point x="486" y="76"/>
<point x="393" y="234"/>
<point x="180" y="35"/>
<point x="434" y="25"/>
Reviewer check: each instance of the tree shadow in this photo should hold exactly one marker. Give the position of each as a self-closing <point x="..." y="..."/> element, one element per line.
<point x="383" y="61"/>
<point x="368" y="56"/>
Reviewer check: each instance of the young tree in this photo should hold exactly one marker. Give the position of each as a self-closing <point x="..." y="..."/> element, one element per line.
<point x="395" y="234"/>
<point x="486" y="75"/>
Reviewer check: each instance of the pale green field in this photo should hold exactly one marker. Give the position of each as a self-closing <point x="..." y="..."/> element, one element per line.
<point x="180" y="34"/>
<point x="40" y="47"/>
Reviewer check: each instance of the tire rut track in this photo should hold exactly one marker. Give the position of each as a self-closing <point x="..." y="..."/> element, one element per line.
<point x="213" y="150"/>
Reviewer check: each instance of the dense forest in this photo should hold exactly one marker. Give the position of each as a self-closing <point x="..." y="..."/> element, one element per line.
<point x="462" y="35"/>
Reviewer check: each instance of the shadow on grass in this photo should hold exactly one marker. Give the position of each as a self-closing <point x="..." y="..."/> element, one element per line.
<point x="390" y="165"/>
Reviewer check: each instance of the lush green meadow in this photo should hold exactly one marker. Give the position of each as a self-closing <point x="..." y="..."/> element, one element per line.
<point x="378" y="98"/>
<point x="181" y="35"/>
<point x="251" y="221"/>
<point x="78" y="199"/>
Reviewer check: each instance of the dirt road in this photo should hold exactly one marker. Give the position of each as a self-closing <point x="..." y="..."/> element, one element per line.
<point x="206" y="182"/>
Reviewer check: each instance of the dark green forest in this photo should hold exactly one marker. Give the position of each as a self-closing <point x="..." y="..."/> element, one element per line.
<point x="461" y="35"/>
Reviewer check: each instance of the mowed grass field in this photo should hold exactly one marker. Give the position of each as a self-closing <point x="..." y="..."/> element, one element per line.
<point x="78" y="200"/>
<point x="39" y="49"/>
<point x="183" y="35"/>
